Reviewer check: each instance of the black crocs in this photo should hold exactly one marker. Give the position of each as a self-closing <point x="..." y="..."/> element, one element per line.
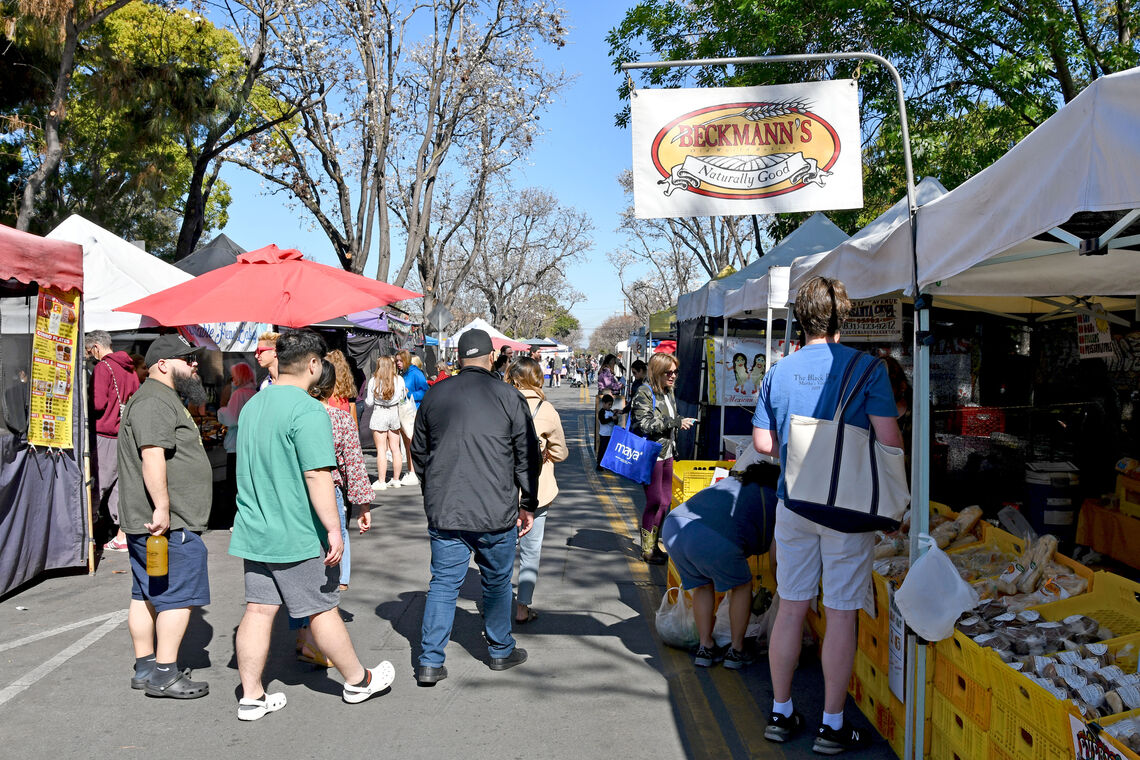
<point x="181" y="687"/>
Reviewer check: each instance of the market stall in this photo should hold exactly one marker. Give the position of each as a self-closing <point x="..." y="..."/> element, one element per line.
<point x="44" y="520"/>
<point x="1051" y="224"/>
<point x="725" y="355"/>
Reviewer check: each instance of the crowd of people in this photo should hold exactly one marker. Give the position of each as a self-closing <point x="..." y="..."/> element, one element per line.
<point x="482" y="442"/>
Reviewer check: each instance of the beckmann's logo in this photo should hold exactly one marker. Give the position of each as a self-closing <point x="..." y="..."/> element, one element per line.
<point x="746" y="150"/>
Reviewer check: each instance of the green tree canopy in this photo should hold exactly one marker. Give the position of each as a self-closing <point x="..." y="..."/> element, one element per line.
<point x="146" y="78"/>
<point x="979" y="75"/>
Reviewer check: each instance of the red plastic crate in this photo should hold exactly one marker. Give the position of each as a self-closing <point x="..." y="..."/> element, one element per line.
<point x="977" y="421"/>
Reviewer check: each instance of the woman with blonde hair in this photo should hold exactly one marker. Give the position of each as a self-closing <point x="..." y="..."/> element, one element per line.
<point x="526" y="374"/>
<point x="655" y="416"/>
<point x="416" y="383"/>
<point x="344" y="393"/>
<point x="385" y="392"/>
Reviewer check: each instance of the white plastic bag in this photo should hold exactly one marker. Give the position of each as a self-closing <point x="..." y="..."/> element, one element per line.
<point x="934" y="596"/>
<point x="722" y="627"/>
<point x="675" y="622"/>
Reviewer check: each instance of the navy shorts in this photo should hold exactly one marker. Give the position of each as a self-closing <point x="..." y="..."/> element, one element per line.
<point x="703" y="556"/>
<point x="187" y="581"/>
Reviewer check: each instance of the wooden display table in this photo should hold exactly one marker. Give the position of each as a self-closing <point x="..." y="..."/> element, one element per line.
<point x="1110" y="532"/>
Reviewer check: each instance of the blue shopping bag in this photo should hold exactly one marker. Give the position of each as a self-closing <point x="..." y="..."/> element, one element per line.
<point x="630" y="455"/>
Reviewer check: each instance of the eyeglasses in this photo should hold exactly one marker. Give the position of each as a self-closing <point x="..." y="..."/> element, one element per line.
<point x="257" y="353"/>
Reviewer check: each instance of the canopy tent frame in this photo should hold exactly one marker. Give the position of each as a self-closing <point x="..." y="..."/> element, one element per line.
<point x="920" y="485"/>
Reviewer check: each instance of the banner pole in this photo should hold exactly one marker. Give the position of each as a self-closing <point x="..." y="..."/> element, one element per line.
<point x="920" y="472"/>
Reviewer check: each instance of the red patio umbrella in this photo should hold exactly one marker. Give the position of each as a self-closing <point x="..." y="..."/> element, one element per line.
<point x="281" y="287"/>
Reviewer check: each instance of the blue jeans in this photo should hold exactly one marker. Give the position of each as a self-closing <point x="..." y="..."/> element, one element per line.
<point x="346" y="558"/>
<point x="451" y="552"/>
<point x="530" y="552"/>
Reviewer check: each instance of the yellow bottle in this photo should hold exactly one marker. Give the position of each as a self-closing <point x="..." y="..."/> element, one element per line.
<point x="156" y="556"/>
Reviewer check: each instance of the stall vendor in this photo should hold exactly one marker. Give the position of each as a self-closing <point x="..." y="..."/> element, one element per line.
<point x="709" y="539"/>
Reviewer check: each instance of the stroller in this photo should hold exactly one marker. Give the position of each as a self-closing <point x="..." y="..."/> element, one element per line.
<point x="577" y="380"/>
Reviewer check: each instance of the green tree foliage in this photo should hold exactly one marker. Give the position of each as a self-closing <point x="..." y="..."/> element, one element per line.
<point x="979" y="75"/>
<point x="146" y="79"/>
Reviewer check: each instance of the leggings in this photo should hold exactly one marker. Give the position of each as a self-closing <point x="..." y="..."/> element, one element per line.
<point x="658" y="494"/>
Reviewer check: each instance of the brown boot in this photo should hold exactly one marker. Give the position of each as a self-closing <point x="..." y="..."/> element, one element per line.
<point x="649" y="551"/>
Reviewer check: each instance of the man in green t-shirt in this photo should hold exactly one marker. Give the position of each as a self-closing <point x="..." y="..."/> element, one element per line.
<point x="287" y="527"/>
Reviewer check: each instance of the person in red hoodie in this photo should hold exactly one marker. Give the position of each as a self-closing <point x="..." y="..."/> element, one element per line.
<point x="113" y="382"/>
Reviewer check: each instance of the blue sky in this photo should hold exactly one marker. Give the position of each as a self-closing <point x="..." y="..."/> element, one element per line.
<point x="578" y="159"/>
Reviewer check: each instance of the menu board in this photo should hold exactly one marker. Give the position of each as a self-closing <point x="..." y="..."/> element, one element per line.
<point x="54" y="348"/>
<point x="876" y="320"/>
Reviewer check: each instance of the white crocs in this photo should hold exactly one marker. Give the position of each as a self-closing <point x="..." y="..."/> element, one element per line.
<point x="382" y="677"/>
<point x="252" y="709"/>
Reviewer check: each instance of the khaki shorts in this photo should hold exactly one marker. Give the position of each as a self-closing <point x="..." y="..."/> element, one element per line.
<point x="808" y="552"/>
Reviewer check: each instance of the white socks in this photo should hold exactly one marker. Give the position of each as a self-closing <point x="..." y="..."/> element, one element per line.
<point x="783" y="708"/>
<point x="833" y="720"/>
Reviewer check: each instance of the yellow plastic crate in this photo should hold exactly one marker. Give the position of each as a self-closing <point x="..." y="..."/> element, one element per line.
<point x="1012" y="738"/>
<point x="1114" y="602"/>
<point x="964" y="693"/>
<point x="691" y="475"/>
<point x="1025" y="703"/>
<point x="874" y="632"/>
<point x="965" y="738"/>
<point x="1110" y="740"/>
<point x="888" y="715"/>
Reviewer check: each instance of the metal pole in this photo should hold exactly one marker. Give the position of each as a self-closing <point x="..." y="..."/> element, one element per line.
<point x="724" y="337"/>
<point x="920" y="485"/>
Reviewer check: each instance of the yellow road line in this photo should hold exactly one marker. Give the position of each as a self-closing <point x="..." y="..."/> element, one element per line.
<point x="698" y="719"/>
<point x="698" y="723"/>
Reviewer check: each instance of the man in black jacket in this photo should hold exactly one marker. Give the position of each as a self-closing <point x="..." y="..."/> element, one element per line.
<point x="471" y="436"/>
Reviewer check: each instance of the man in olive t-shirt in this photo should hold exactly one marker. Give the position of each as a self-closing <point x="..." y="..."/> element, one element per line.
<point x="287" y="527"/>
<point x="162" y="472"/>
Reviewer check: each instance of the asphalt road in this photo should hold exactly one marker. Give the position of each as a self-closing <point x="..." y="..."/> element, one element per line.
<point x="598" y="684"/>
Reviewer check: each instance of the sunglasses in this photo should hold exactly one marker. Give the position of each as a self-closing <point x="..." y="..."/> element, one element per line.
<point x="671" y="373"/>
<point x="261" y="351"/>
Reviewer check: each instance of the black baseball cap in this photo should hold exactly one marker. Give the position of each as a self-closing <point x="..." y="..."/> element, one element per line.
<point x="171" y="346"/>
<point x="475" y="343"/>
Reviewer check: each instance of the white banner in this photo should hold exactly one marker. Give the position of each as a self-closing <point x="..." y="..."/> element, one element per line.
<point x="227" y="336"/>
<point x="877" y="320"/>
<point x="746" y="150"/>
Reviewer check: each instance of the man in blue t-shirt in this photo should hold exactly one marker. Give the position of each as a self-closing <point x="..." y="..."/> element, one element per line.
<point x="808" y="383"/>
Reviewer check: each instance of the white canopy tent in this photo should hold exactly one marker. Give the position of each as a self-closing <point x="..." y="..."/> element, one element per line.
<point x="497" y="338"/>
<point x="818" y="233"/>
<point x="1056" y="215"/>
<point x="1045" y="219"/>
<point x="877" y="259"/>
<point x="116" y="272"/>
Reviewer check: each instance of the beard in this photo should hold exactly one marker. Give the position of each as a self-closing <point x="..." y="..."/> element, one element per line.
<point x="190" y="388"/>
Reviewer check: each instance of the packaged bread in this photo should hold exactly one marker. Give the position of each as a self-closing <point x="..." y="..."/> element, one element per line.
<point x="1036" y="558"/>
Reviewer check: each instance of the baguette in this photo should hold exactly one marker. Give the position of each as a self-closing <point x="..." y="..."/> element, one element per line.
<point x="1036" y="559"/>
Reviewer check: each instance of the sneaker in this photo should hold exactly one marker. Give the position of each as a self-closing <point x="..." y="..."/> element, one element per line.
<point x="382" y="677"/>
<point x="706" y="657"/>
<point x="782" y="728"/>
<point x="828" y="741"/>
<point x="735" y="659"/>
<point x="379" y="485"/>
<point x="393" y="483"/>
<point x="410" y="479"/>
<point x="115" y="546"/>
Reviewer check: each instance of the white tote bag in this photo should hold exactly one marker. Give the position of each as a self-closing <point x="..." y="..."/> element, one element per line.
<point x="839" y="475"/>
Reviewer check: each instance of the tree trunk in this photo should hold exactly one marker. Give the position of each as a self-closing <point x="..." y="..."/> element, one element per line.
<point x="53" y="153"/>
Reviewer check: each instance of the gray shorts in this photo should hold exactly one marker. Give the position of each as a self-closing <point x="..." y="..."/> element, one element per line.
<point x="305" y="588"/>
